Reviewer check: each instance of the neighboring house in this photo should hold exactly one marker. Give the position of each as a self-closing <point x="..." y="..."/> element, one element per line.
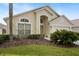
<point x="75" y="26"/>
<point x="42" y="20"/>
<point x="2" y="29"/>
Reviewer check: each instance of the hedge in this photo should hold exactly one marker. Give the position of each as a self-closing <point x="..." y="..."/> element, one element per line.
<point x="4" y="38"/>
<point x="35" y="36"/>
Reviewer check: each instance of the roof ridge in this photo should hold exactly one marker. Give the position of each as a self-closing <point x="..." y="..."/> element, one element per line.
<point x="67" y="19"/>
<point x="75" y="20"/>
<point x="34" y="10"/>
<point x="28" y="11"/>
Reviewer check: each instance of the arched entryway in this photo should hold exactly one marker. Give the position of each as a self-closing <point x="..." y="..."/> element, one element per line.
<point x="44" y="25"/>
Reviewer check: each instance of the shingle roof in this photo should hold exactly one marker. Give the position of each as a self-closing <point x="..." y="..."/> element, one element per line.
<point x="64" y="17"/>
<point x="75" y="22"/>
<point x="34" y="10"/>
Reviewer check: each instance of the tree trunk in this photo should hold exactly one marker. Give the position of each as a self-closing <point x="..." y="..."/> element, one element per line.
<point x="10" y="20"/>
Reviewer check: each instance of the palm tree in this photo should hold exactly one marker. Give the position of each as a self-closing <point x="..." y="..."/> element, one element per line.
<point x="10" y="20"/>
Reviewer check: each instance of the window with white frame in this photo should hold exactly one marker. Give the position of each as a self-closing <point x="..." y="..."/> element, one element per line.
<point x="24" y="29"/>
<point x="27" y="29"/>
<point x="20" y="28"/>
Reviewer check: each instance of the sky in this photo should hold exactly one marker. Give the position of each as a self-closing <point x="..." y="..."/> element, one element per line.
<point x="70" y="10"/>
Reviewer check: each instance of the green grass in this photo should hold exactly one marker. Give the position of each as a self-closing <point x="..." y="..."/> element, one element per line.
<point x="38" y="50"/>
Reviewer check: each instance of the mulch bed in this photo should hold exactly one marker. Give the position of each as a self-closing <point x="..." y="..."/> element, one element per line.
<point x="18" y="42"/>
<point x="67" y="46"/>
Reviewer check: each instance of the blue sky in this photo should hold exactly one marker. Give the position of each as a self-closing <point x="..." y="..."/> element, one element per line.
<point x="70" y="10"/>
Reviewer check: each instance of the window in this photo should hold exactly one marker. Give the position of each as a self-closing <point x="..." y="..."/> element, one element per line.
<point x="24" y="29"/>
<point x="24" y="20"/>
<point x="20" y="28"/>
<point x="27" y="29"/>
<point x="41" y="20"/>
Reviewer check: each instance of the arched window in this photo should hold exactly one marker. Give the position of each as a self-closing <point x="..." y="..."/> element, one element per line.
<point x="24" y="20"/>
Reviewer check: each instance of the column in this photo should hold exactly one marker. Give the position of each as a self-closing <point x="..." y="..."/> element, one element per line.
<point x="37" y="24"/>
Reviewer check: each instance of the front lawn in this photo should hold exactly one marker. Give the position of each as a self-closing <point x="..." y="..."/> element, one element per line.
<point x="38" y="50"/>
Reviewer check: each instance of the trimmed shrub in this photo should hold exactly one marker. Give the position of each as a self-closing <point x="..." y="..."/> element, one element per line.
<point x="20" y="37"/>
<point x="64" y="37"/>
<point x="4" y="38"/>
<point x="35" y="36"/>
<point x="77" y="33"/>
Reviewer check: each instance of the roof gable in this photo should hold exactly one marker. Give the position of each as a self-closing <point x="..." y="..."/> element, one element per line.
<point x="62" y="20"/>
<point x="34" y="10"/>
<point x="47" y="8"/>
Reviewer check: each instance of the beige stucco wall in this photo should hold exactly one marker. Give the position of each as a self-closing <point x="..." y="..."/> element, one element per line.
<point x="16" y="20"/>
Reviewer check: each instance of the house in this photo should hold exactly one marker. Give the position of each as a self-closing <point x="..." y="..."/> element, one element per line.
<point x="75" y="26"/>
<point x="2" y="29"/>
<point x="42" y="20"/>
